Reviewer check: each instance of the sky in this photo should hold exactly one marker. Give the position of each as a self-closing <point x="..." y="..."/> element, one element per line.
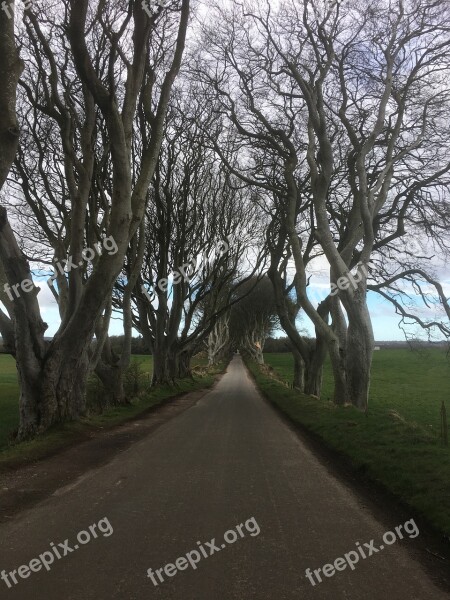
<point x="385" y="321"/>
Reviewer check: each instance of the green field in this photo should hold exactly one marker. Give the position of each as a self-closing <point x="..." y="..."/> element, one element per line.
<point x="398" y="443"/>
<point x="412" y="383"/>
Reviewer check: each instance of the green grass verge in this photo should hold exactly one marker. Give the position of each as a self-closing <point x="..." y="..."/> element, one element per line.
<point x="57" y="438"/>
<point x="397" y="444"/>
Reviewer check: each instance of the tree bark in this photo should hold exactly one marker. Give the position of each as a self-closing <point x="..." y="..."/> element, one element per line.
<point x="299" y="370"/>
<point x="162" y="373"/>
<point x="359" y="352"/>
<point x="171" y="363"/>
<point x="111" y="377"/>
<point x="218" y="340"/>
<point x="314" y="371"/>
<point x="183" y="364"/>
<point x="51" y="391"/>
<point x="318" y="354"/>
<point x="11" y="67"/>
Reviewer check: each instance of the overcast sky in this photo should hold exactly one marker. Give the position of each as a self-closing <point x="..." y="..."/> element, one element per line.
<point x="385" y="321"/>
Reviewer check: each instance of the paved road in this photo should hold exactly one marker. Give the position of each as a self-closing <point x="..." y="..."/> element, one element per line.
<point x="228" y="461"/>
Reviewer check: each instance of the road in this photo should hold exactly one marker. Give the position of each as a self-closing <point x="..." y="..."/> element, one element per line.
<point x="229" y="460"/>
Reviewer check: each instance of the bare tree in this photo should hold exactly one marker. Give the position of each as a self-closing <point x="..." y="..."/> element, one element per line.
<point x="109" y="52"/>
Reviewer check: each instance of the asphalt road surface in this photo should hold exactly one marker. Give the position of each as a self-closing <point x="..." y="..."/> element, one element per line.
<point x="227" y="463"/>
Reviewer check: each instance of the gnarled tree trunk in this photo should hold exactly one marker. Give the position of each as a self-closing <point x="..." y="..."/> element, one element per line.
<point x="360" y="346"/>
<point x="299" y="370"/>
<point x="218" y="340"/>
<point x="51" y="391"/>
<point x="314" y="371"/>
<point x="11" y="68"/>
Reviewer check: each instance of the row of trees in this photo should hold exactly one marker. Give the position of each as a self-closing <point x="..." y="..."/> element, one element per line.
<point x="224" y="171"/>
<point x="93" y="98"/>
<point x="336" y="114"/>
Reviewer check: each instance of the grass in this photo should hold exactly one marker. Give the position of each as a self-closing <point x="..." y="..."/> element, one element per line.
<point x="398" y="443"/>
<point x="9" y="393"/>
<point x="59" y="437"/>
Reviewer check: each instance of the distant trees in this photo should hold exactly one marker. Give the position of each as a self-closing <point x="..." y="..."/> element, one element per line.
<point x="277" y="345"/>
<point x="253" y="318"/>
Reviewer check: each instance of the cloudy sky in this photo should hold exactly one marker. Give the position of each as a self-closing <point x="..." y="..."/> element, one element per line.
<point x="385" y="321"/>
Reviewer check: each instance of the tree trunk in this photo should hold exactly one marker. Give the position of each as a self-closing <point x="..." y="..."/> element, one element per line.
<point x="351" y="350"/>
<point x="218" y="340"/>
<point x="360" y="345"/>
<point x="161" y="372"/>
<point x="52" y="394"/>
<point x="337" y="346"/>
<point x="259" y="356"/>
<point x="337" y="357"/>
<point x="184" y="365"/>
<point x="256" y="354"/>
<point x="314" y="371"/>
<point x="299" y="370"/>
<point x="318" y="354"/>
<point x="11" y="67"/>
<point x="170" y="363"/>
<point x="109" y="367"/>
<point x="111" y="377"/>
<point x="253" y="343"/>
